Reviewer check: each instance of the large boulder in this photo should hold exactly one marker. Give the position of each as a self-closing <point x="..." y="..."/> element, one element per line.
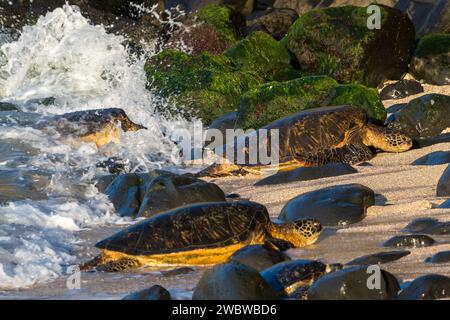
<point x="332" y="206"/>
<point x="211" y="28"/>
<point x="274" y="100"/>
<point x="204" y="85"/>
<point x="352" y="284"/>
<point x="431" y="60"/>
<point x="426" y="117"/>
<point x="443" y="187"/>
<point x="427" y="287"/>
<point x="153" y="293"/>
<point x="233" y="281"/>
<point x="304" y="6"/>
<point x="261" y="54"/>
<point x="276" y="22"/>
<point x="337" y="42"/>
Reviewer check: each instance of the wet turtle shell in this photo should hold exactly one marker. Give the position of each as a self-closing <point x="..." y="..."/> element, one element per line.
<point x="189" y="228"/>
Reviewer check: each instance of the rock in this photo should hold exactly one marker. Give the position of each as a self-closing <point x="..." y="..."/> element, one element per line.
<point x="433" y="159"/>
<point x="212" y="29"/>
<point x="261" y="54"/>
<point x="114" y="165"/>
<point x="427" y="287"/>
<point x="233" y="281"/>
<point x="332" y="206"/>
<point x="153" y="293"/>
<point x="337" y="42"/>
<point x="263" y="4"/>
<point x="378" y="258"/>
<point x="124" y="8"/>
<point x="401" y="89"/>
<point x="411" y="241"/>
<point x="443" y="187"/>
<point x="245" y="7"/>
<point x="425" y="117"/>
<point x="285" y="278"/>
<point x="445" y="205"/>
<point x="431" y="60"/>
<point x="259" y="256"/>
<point x="272" y="101"/>
<point x="102" y="182"/>
<point x="145" y="195"/>
<point x="5" y="106"/>
<point x="440" y="257"/>
<point x="204" y="85"/>
<point x="308" y="173"/>
<point x="351" y="284"/>
<point x="276" y="22"/>
<point x="233" y="196"/>
<point x="428" y="226"/>
<point x="177" y="272"/>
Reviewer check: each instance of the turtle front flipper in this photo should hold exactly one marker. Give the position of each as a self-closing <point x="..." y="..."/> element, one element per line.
<point x="105" y="262"/>
<point x="353" y="153"/>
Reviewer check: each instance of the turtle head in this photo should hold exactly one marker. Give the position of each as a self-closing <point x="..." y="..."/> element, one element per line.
<point x="299" y="233"/>
<point x="308" y="230"/>
<point x="386" y="139"/>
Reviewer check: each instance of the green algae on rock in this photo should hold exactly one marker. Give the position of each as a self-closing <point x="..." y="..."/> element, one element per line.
<point x="262" y="54"/>
<point x="337" y="42"/>
<point x="206" y="85"/>
<point x="272" y="101"/>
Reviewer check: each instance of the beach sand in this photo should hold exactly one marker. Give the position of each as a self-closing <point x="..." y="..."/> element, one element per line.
<point x="404" y="192"/>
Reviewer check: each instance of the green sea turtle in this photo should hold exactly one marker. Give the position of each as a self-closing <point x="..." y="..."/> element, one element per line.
<point x="200" y="234"/>
<point x="100" y="126"/>
<point x="319" y="136"/>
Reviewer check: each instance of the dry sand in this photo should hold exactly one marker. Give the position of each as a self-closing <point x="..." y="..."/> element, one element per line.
<point x="404" y="192"/>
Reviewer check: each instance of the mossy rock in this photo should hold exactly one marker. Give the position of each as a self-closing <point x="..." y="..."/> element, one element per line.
<point x="6" y="106"/>
<point x="206" y="85"/>
<point x="337" y="42"/>
<point x="262" y="54"/>
<point x="431" y="61"/>
<point x="275" y="100"/>
<point x="361" y="96"/>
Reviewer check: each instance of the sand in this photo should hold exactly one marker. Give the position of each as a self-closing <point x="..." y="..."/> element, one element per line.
<point x="404" y="192"/>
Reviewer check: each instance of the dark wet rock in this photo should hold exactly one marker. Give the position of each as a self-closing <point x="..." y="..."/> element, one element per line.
<point x="114" y="165"/>
<point x="332" y="206"/>
<point x="177" y="272"/>
<point x="409" y="241"/>
<point x="443" y="138"/>
<point x="378" y="258"/>
<point x="16" y="184"/>
<point x="396" y="107"/>
<point x="440" y="257"/>
<point x="153" y="293"/>
<point x="351" y="284"/>
<point x="401" y="89"/>
<point x="364" y="164"/>
<point x="428" y="226"/>
<point x="122" y="7"/>
<point x="431" y="60"/>
<point x="434" y="158"/>
<point x="245" y="7"/>
<point x="427" y="287"/>
<point x="263" y="4"/>
<point x="102" y="182"/>
<point x="443" y="187"/>
<point x="144" y="195"/>
<point x="423" y="118"/>
<point x="276" y="22"/>
<point x="445" y="205"/>
<point x="233" y="196"/>
<point x="5" y="106"/>
<point x="286" y="277"/>
<point x="259" y="256"/>
<point x="308" y="173"/>
<point x="233" y="281"/>
<point x="336" y="41"/>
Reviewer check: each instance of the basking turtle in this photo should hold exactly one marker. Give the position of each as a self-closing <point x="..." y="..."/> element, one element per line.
<point x="316" y="137"/>
<point x="99" y="126"/>
<point x="200" y="234"/>
<point x="296" y="276"/>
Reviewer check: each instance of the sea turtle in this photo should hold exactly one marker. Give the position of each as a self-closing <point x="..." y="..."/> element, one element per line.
<point x="296" y="276"/>
<point x="316" y="137"/>
<point x="99" y="126"/>
<point x="200" y="234"/>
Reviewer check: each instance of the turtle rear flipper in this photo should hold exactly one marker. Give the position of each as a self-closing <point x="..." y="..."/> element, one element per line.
<point x="122" y="264"/>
